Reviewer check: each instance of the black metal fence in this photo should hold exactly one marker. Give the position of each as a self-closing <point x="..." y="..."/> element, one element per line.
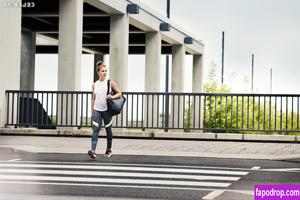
<point x="221" y="112"/>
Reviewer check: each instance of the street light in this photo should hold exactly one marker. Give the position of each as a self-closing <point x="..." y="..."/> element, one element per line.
<point x="252" y="72"/>
<point x="222" y="76"/>
<point x="167" y="79"/>
<point x="271" y="81"/>
<point x="167" y="57"/>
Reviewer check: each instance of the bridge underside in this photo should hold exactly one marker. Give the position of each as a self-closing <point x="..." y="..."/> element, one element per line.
<point x="43" y="19"/>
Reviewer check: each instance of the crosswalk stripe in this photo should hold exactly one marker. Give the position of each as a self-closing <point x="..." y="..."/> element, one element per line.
<point x="13" y="160"/>
<point x="131" y="164"/>
<point x="108" y="174"/>
<point x="120" y="174"/>
<point x="213" y="194"/>
<point x="283" y="170"/>
<point x="248" y="192"/>
<point x="109" y="180"/>
<point x="151" y="169"/>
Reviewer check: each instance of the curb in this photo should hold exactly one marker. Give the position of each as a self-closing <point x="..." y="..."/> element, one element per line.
<point x="151" y="134"/>
<point x="55" y="150"/>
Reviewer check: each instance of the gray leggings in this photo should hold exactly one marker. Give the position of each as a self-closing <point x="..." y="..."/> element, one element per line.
<point x="97" y="117"/>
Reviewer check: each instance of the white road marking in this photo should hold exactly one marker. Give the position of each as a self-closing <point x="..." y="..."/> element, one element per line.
<point x="136" y="165"/>
<point x="109" y="180"/>
<point x="178" y="170"/>
<point x="213" y="194"/>
<point x="255" y="168"/>
<point x="283" y="169"/>
<point x="248" y="192"/>
<point x="13" y="160"/>
<point x="119" y="174"/>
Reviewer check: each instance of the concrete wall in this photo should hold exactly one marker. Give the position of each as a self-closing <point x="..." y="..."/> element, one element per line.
<point x="10" y="51"/>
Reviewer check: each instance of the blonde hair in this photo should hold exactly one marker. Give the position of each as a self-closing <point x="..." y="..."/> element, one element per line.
<point x="99" y="64"/>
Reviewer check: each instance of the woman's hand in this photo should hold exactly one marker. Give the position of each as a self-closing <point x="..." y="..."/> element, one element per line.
<point x="109" y="96"/>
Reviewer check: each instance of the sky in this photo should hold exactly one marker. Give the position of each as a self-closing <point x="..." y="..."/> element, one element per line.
<point x="269" y="29"/>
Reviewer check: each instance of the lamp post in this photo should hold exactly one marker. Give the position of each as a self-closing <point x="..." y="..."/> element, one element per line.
<point x="271" y="81"/>
<point x="167" y="56"/>
<point x="167" y="79"/>
<point x="252" y="72"/>
<point x="222" y="76"/>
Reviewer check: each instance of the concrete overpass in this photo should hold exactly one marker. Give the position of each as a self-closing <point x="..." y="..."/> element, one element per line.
<point x="99" y="27"/>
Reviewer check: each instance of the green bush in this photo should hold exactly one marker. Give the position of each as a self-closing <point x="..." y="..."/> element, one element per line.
<point x="225" y="113"/>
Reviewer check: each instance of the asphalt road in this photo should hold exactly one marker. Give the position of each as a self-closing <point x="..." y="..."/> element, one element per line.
<point x="75" y="176"/>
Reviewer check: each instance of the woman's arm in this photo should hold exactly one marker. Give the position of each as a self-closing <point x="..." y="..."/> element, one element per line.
<point x="93" y="96"/>
<point x="116" y="89"/>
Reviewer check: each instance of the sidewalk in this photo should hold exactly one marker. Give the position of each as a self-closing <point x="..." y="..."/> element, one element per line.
<point x="217" y="149"/>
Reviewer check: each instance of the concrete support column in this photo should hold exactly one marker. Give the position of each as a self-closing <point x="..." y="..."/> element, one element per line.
<point x="70" y="44"/>
<point x="197" y="88"/>
<point x="118" y="56"/>
<point x="197" y="73"/>
<point x="178" y="62"/>
<point x="10" y="51"/>
<point x="69" y="58"/>
<point x="152" y="77"/>
<point x="118" y="50"/>
<point x="97" y="57"/>
<point x="177" y="109"/>
<point x="28" y="49"/>
<point x="152" y="68"/>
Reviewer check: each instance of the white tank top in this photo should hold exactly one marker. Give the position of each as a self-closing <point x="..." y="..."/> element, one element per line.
<point x="100" y="90"/>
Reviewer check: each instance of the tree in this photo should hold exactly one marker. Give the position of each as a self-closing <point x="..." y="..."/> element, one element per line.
<point x="225" y="112"/>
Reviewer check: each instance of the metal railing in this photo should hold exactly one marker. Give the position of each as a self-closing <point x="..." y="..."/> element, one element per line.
<point x="222" y="112"/>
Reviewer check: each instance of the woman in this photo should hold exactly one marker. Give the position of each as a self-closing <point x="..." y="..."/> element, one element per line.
<point x="100" y="111"/>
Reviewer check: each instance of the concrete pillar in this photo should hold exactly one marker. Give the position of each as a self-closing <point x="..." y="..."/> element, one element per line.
<point x="10" y="51"/>
<point x="197" y="73"/>
<point x="118" y="56"/>
<point x="97" y="57"/>
<point x="152" y="78"/>
<point x="118" y="50"/>
<point x="152" y="68"/>
<point x="70" y="44"/>
<point x="198" y="88"/>
<point x="69" y="58"/>
<point x="178" y="62"/>
<point x="28" y="49"/>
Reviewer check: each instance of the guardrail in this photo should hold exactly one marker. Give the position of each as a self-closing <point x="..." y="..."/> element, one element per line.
<point x="215" y="112"/>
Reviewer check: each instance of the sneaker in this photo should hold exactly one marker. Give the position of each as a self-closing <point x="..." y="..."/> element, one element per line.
<point x="92" y="154"/>
<point x="107" y="153"/>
